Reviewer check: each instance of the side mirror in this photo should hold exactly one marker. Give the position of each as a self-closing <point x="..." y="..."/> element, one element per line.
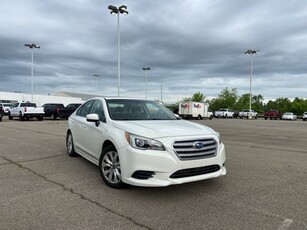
<point x="93" y="118"/>
<point x="177" y="116"/>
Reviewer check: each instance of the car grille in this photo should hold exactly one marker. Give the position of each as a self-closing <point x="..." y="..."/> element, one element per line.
<point x="195" y="171"/>
<point x="195" y="149"/>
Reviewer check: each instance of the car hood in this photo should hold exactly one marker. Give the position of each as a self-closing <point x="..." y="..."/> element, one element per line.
<point x="165" y="128"/>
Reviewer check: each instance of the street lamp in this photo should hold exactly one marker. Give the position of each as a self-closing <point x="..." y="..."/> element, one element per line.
<point x="31" y="46"/>
<point x="120" y="10"/>
<point x="251" y="52"/>
<point x="146" y="69"/>
<point x="96" y="75"/>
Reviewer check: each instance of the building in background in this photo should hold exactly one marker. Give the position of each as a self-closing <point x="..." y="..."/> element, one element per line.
<point x="60" y="97"/>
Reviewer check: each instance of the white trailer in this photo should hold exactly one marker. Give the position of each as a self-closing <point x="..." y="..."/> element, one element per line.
<point x="198" y="110"/>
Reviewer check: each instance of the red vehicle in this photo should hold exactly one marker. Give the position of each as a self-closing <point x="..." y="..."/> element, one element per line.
<point x="272" y="114"/>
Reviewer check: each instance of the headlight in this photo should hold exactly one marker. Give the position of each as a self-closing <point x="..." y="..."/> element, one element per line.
<point x="219" y="137"/>
<point x="144" y="143"/>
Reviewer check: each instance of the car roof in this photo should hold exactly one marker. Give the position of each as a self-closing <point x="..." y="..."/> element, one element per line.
<point x="119" y="97"/>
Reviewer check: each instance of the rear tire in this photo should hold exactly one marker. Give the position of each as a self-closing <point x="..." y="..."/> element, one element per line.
<point x="21" y="117"/>
<point x="109" y="167"/>
<point x="52" y="117"/>
<point x="0" y="118"/>
<point x="70" y="145"/>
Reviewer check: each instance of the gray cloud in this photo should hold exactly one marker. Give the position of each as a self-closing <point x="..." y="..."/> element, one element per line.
<point x="190" y="46"/>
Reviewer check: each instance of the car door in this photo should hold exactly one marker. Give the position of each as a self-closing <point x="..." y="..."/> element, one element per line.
<point x="79" y="125"/>
<point x="94" y="135"/>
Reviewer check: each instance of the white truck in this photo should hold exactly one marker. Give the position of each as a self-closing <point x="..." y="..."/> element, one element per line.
<point x="224" y="113"/>
<point x="198" y="110"/>
<point x="26" y="110"/>
<point x="246" y="113"/>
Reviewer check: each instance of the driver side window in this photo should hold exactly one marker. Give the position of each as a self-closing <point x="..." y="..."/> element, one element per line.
<point x="85" y="109"/>
<point x="97" y="109"/>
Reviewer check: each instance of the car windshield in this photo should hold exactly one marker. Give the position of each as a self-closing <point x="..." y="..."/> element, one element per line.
<point x="132" y="109"/>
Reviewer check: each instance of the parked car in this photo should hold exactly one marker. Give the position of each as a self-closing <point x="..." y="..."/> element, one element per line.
<point x="142" y="143"/>
<point x="246" y="113"/>
<point x="289" y="116"/>
<point x="68" y="110"/>
<point x="6" y="107"/>
<point x="304" y="116"/>
<point x="1" y="112"/>
<point x="52" y="110"/>
<point x="272" y="114"/>
<point x="224" y="113"/>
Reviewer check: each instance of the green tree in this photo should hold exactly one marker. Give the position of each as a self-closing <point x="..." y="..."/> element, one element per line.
<point x="226" y="99"/>
<point x="198" y="97"/>
<point x="257" y="103"/>
<point x="270" y="105"/>
<point x="243" y="102"/>
<point x="283" y="104"/>
<point x="298" y="106"/>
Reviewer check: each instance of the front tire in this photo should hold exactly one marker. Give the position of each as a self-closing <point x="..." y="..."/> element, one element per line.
<point x="109" y="167"/>
<point x="10" y="117"/>
<point x="70" y="145"/>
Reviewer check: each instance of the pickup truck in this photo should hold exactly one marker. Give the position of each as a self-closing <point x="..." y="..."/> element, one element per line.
<point x="246" y="112"/>
<point x="68" y="110"/>
<point x="52" y="110"/>
<point x="304" y="116"/>
<point x="272" y="114"/>
<point x="26" y="110"/>
<point x="224" y="113"/>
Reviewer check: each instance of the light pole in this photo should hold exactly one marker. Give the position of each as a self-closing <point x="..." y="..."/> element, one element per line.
<point x="251" y="52"/>
<point x="146" y="69"/>
<point x="96" y="75"/>
<point x="120" y="10"/>
<point x="31" y="46"/>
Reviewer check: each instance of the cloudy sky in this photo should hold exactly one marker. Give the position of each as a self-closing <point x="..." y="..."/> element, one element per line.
<point x="190" y="46"/>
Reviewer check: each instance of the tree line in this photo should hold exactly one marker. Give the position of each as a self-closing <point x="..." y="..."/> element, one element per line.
<point x="229" y="98"/>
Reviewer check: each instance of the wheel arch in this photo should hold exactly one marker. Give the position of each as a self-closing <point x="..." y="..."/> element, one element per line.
<point x="106" y="144"/>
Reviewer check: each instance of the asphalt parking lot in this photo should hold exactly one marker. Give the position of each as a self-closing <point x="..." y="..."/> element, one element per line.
<point x="265" y="186"/>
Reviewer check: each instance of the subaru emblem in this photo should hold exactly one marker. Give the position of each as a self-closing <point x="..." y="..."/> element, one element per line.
<point x="198" y="145"/>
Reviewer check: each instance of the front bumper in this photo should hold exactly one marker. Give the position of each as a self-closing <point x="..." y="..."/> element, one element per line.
<point x="164" y="168"/>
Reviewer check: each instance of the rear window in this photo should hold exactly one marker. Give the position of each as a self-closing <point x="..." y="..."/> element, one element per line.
<point x="28" y="104"/>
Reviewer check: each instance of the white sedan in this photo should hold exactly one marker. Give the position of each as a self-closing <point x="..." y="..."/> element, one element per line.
<point x="289" y="116"/>
<point x="140" y="142"/>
